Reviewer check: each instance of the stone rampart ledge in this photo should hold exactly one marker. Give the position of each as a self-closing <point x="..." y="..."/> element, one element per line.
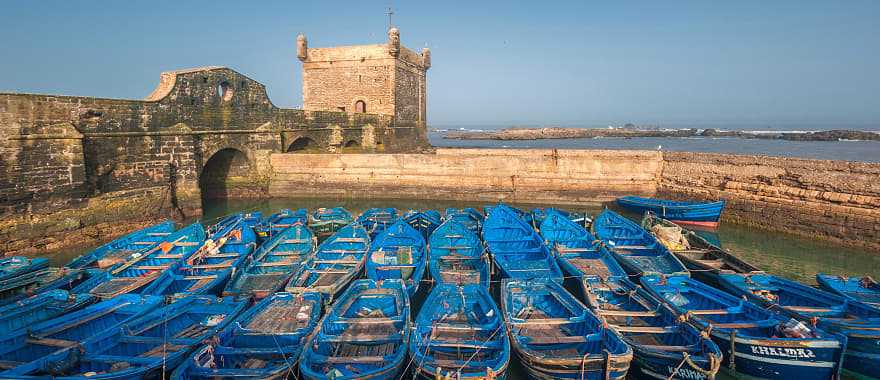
<point x="556" y="176"/>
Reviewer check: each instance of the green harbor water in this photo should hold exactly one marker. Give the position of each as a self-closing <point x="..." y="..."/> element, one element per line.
<point x="777" y="253"/>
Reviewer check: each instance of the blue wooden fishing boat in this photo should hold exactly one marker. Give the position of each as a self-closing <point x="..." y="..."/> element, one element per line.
<point x="578" y="252"/>
<point x="756" y="342"/>
<point x="68" y="330"/>
<point x="664" y="347"/>
<point x="516" y="248"/>
<point x="376" y="220"/>
<point x="423" y="221"/>
<point x="280" y="221"/>
<point x="456" y="255"/>
<point x="539" y="214"/>
<point x="142" y="268"/>
<point x="703" y="214"/>
<point x="468" y="216"/>
<point x="40" y="307"/>
<point x="364" y="335"/>
<point x="701" y="257"/>
<point x="635" y="249"/>
<point x="44" y="280"/>
<point x="860" y="322"/>
<point x="15" y="267"/>
<point x="264" y="342"/>
<point x="556" y="337"/>
<point x="115" y="251"/>
<point x="274" y="263"/>
<point x="325" y="221"/>
<point x="863" y="289"/>
<point x="525" y="216"/>
<point x="337" y="261"/>
<point x="144" y="347"/>
<point x="398" y="253"/>
<point x="460" y="334"/>
<point x="207" y="270"/>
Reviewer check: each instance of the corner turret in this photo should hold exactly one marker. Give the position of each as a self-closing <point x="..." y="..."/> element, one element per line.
<point x="393" y="42"/>
<point x="302" y="47"/>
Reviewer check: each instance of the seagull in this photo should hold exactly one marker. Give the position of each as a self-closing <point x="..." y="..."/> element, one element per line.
<point x="659" y="147"/>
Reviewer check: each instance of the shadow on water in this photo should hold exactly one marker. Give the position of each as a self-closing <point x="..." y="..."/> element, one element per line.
<point x="777" y="253"/>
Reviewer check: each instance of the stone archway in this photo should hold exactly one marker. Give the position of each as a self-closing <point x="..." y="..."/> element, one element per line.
<point x="222" y="171"/>
<point x="351" y="146"/>
<point x="302" y="145"/>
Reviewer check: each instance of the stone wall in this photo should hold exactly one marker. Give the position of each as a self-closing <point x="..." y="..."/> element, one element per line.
<point x="528" y="175"/>
<point x="202" y="132"/>
<point x="831" y="200"/>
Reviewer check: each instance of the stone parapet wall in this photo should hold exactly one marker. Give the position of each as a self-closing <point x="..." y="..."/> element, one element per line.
<point x="528" y="175"/>
<point x="831" y="200"/>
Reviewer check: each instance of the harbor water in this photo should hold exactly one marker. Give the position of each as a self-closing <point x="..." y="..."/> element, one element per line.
<point x="865" y="151"/>
<point x="777" y="253"/>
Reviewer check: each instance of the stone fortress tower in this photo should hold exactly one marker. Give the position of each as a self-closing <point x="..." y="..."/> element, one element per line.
<point x="386" y="79"/>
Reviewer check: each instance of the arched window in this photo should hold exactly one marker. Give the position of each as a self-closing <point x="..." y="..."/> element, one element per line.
<point x="360" y="106"/>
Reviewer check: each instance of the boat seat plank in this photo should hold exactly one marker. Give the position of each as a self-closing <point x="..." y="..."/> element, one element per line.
<point x="461" y="345"/>
<point x="151" y="267"/>
<point x="355" y="359"/>
<point x="168" y="256"/>
<point x="543" y="321"/>
<point x="351" y="240"/>
<point x="644" y="329"/>
<point x="810" y="309"/>
<point x="276" y="264"/>
<point x="211" y="266"/>
<point x="361" y="338"/>
<point x="737" y="325"/>
<point x="9" y="364"/>
<point x="295" y="241"/>
<point x="710" y="312"/>
<point x="562" y="339"/>
<point x="399" y="266"/>
<point x="629" y="246"/>
<point x="52" y="342"/>
<point x="202" y="277"/>
<point x="628" y="313"/>
<point x="367" y="321"/>
<point x="158" y="233"/>
<point x="352" y="262"/>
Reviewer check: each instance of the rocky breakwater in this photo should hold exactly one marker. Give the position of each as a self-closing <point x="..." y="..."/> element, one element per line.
<point x="574" y="133"/>
<point x="832" y="200"/>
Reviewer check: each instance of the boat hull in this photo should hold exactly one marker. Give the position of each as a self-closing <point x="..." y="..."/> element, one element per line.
<point x="701" y="213"/>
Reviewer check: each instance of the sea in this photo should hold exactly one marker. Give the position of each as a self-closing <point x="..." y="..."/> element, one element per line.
<point x="848" y="150"/>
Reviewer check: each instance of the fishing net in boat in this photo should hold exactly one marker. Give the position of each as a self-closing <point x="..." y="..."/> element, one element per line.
<point x="671" y="237"/>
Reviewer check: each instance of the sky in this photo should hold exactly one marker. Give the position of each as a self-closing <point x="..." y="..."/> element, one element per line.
<point x="494" y="63"/>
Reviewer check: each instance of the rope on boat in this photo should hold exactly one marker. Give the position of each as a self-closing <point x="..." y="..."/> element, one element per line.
<point x="714" y="366"/>
<point x="290" y="367"/>
<point x="732" y="350"/>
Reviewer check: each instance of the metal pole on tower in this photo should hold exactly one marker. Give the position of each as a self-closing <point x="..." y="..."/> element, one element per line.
<point x="390" y="12"/>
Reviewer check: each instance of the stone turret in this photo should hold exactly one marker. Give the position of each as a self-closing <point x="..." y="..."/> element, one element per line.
<point x="302" y="47"/>
<point x="393" y="42"/>
<point x="426" y="58"/>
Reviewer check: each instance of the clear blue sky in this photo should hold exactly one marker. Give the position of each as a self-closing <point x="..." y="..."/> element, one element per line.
<point x="494" y="62"/>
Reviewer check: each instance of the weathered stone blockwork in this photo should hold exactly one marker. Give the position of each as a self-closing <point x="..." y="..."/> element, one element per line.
<point x="833" y="200"/>
<point x="205" y="131"/>
<point x="386" y="79"/>
<point x="528" y="175"/>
